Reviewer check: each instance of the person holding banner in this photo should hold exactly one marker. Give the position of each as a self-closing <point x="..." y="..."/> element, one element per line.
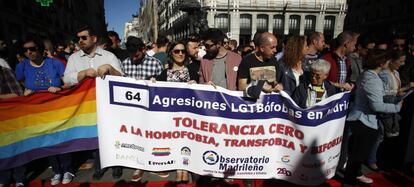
<point x="308" y="94"/>
<point x="41" y="73"/>
<point x="92" y="61"/>
<point x="363" y="115"/>
<point x="178" y="71"/>
<point x="260" y="71"/>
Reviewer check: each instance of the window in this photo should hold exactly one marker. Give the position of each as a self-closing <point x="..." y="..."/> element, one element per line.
<point x="245" y="21"/>
<point x="278" y="24"/>
<point x="294" y="24"/>
<point x="310" y="24"/>
<point x="262" y="25"/>
<point x="222" y="21"/>
<point x="329" y="27"/>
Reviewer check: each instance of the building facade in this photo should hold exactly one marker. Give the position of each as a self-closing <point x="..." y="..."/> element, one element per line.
<point x="381" y="18"/>
<point x="145" y="24"/>
<point x="58" y="21"/>
<point x="241" y="19"/>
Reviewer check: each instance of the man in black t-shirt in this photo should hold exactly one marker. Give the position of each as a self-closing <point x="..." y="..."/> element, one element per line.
<point x="260" y="70"/>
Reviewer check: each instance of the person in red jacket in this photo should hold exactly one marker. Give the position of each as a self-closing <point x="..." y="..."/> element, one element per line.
<point x="341" y="66"/>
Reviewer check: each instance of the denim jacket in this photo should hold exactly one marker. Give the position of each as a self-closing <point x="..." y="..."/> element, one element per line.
<point x="369" y="100"/>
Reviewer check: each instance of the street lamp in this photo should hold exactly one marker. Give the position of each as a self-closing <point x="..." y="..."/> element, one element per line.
<point x="228" y="16"/>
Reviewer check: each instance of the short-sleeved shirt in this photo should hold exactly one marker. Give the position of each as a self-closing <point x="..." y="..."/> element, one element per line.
<point x="252" y="69"/>
<point x="80" y="61"/>
<point x="40" y="78"/>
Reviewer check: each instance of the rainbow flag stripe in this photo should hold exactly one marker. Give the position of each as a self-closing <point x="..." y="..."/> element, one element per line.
<point x="45" y="124"/>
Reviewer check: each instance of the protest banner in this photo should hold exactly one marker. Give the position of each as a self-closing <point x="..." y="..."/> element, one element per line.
<point x="216" y="132"/>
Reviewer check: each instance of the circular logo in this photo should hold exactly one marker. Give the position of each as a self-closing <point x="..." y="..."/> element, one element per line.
<point x="210" y="157"/>
<point x="285" y="159"/>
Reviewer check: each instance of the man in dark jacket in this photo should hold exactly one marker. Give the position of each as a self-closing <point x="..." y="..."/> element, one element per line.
<point x="309" y="93"/>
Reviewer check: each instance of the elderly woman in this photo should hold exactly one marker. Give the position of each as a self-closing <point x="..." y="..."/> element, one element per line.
<point x="369" y="101"/>
<point x="308" y="94"/>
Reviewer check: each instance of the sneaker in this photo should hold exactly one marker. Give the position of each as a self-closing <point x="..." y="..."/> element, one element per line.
<point x="55" y="180"/>
<point x="67" y="178"/>
<point x="137" y="175"/>
<point x="19" y="184"/>
<point x="365" y="179"/>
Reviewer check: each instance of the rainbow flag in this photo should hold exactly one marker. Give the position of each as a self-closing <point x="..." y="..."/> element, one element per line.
<point x="45" y="124"/>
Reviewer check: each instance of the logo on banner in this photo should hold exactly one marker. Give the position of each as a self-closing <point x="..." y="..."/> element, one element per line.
<point x="131" y="158"/>
<point x="186" y="151"/>
<point x="210" y="157"/>
<point x="285" y="159"/>
<point x="161" y="163"/>
<point x="186" y="161"/>
<point x="331" y="158"/>
<point x="119" y="145"/>
<point x="161" y="151"/>
<point x="284" y="171"/>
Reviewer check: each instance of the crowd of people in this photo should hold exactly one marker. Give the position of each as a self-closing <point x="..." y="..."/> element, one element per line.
<point x="378" y="74"/>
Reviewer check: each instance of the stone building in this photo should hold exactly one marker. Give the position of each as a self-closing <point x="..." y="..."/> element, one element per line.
<point x="241" y="19"/>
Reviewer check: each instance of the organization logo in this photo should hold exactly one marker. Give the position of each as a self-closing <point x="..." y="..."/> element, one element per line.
<point x="283" y="171"/>
<point x="186" y="161"/>
<point x="210" y="157"/>
<point x="161" y="163"/>
<point x="331" y="158"/>
<point x="186" y="151"/>
<point x="131" y="158"/>
<point x="285" y="159"/>
<point x="236" y="164"/>
<point x="119" y="145"/>
<point x="161" y="151"/>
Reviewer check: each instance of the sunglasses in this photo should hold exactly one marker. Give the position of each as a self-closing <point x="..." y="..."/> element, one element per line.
<point x="82" y="38"/>
<point x="31" y="49"/>
<point x="177" y="51"/>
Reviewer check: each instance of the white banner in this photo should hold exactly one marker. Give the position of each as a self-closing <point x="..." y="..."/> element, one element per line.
<point x="213" y="131"/>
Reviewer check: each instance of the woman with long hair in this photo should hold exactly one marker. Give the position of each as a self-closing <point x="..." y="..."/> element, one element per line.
<point x="294" y="54"/>
<point x="178" y="71"/>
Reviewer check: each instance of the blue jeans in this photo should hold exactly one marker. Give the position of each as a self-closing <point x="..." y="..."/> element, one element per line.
<point x="372" y="158"/>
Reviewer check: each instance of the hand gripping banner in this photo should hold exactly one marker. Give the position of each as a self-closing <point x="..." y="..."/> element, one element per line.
<point x="216" y="132"/>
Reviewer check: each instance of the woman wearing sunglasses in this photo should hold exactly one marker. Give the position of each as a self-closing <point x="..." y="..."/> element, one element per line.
<point x="177" y="71"/>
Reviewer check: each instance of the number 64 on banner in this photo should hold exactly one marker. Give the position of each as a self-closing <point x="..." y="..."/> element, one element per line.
<point x="128" y="95"/>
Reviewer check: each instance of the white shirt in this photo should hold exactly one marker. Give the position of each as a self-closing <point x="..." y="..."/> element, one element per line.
<point x="4" y="64"/>
<point x="80" y="61"/>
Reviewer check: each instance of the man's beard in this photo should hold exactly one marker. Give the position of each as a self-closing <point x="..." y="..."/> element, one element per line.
<point x="211" y="54"/>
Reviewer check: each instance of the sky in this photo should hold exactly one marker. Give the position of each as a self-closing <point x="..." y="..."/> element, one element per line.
<point x="118" y="12"/>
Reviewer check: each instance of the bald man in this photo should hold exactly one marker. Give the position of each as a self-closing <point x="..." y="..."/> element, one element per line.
<point x="261" y="67"/>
